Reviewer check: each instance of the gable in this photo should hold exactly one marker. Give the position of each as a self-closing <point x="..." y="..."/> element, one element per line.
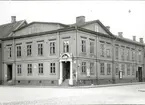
<point x="36" y="28"/>
<point x="95" y="27"/>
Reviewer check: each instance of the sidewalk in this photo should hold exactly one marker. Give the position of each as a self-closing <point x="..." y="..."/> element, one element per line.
<point x="90" y="86"/>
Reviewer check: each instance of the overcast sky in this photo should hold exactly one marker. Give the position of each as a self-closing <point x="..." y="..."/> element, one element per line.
<point x="122" y="16"/>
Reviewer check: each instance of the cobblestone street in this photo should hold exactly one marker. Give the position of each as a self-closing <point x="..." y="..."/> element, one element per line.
<point x="129" y="94"/>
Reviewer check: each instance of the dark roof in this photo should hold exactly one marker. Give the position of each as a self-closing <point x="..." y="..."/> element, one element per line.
<point x="42" y="23"/>
<point x="6" y="29"/>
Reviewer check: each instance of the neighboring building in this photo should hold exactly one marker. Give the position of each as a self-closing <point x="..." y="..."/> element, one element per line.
<point x="84" y="53"/>
<point x="6" y="30"/>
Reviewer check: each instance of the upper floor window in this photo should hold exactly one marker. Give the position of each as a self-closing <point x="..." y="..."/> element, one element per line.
<point x="92" y="47"/>
<point x="102" y="49"/>
<point x="133" y="55"/>
<point x="9" y="51"/>
<point x="123" y="69"/>
<point x="19" y="69"/>
<point x="108" y="69"/>
<point x="108" y="53"/>
<point x="52" y="47"/>
<point x="91" y="68"/>
<point x="52" y="68"/>
<point x="128" y="55"/>
<point x="66" y="46"/>
<point x="40" y="66"/>
<point x="18" y="51"/>
<point x="29" y="68"/>
<point x="117" y="69"/>
<point x="122" y="54"/>
<point x="139" y="56"/>
<point x="128" y="69"/>
<point x="102" y="72"/>
<point x="83" y="46"/>
<point x="40" y="49"/>
<point x="83" y="67"/>
<point x="29" y="50"/>
<point x="116" y="52"/>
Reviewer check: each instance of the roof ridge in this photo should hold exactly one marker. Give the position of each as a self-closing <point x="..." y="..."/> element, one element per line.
<point x="11" y="23"/>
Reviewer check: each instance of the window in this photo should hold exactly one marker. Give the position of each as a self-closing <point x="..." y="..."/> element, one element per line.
<point x="102" y="72"/>
<point x="123" y="69"/>
<point x="92" y="47"/>
<point x="52" y="47"/>
<point x="83" y="46"/>
<point x="117" y="69"/>
<point x="116" y="52"/>
<point x="83" y="67"/>
<point x="29" y="50"/>
<point x="133" y="69"/>
<point x="40" y="66"/>
<point x="122" y="54"/>
<point x="18" y="51"/>
<point x="102" y="49"/>
<point x="9" y="51"/>
<point x="29" y="68"/>
<point x="108" y="53"/>
<point x="52" y="68"/>
<point x="128" y="55"/>
<point x="91" y="68"/>
<point x="128" y="69"/>
<point x="139" y="56"/>
<point x="108" y="69"/>
<point x="40" y="49"/>
<point x="66" y="46"/>
<point x="19" y="69"/>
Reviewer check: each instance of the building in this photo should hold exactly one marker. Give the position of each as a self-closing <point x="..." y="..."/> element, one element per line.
<point x="84" y="53"/>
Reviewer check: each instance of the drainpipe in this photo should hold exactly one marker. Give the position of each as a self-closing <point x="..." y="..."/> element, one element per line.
<point x="77" y="57"/>
<point x="14" y="59"/>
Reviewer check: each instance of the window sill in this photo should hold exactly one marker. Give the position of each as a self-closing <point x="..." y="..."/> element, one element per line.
<point x="29" y="74"/>
<point x="52" y="73"/>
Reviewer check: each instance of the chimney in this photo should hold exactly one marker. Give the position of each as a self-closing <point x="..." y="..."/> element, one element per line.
<point x="120" y="34"/>
<point x="80" y="20"/>
<point x="13" y="19"/>
<point x="141" y="40"/>
<point x="108" y="27"/>
<point x="134" y="38"/>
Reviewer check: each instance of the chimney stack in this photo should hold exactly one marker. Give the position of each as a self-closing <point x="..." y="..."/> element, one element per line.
<point x="108" y="27"/>
<point x="141" y="40"/>
<point x="120" y="34"/>
<point x="13" y="19"/>
<point x="134" y="38"/>
<point x="80" y="20"/>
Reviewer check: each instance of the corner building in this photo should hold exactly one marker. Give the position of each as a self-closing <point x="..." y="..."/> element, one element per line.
<point x="84" y="53"/>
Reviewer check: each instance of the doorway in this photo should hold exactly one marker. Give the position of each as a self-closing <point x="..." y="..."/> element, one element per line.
<point x="140" y="74"/>
<point x="66" y="70"/>
<point x="9" y="72"/>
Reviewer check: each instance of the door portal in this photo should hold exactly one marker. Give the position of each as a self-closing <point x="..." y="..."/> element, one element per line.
<point x="66" y="70"/>
<point x="140" y="74"/>
<point x="9" y="72"/>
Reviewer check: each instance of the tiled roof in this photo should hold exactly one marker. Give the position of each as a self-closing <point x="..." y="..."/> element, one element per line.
<point x="6" y="29"/>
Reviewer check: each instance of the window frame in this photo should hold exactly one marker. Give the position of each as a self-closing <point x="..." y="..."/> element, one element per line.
<point x="19" y="69"/>
<point x="19" y="51"/>
<point x="29" y="69"/>
<point x="40" y="49"/>
<point x="29" y="50"/>
<point x="40" y="68"/>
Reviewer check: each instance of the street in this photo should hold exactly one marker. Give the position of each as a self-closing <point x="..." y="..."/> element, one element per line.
<point x="128" y="94"/>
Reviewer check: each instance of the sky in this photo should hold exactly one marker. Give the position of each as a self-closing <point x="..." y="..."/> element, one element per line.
<point x="122" y="16"/>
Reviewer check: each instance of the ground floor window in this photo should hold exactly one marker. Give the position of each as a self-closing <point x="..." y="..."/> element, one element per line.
<point x="123" y="69"/>
<point x="19" y="69"/>
<point x="40" y="66"/>
<point x="133" y="69"/>
<point x="91" y="68"/>
<point x="52" y="68"/>
<point x="83" y="67"/>
<point x="128" y="69"/>
<point x="117" y="69"/>
<point x="108" y="69"/>
<point x="102" y="72"/>
<point x="29" y="68"/>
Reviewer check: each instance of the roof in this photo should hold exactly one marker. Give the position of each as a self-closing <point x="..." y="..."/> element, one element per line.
<point x="42" y="23"/>
<point x="7" y="29"/>
<point x="94" y="21"/>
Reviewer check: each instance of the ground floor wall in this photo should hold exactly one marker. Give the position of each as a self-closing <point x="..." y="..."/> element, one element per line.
<point x="99" y="75"/>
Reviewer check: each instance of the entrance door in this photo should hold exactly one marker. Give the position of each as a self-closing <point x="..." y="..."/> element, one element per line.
<point x="66" y="70"/>
<point x="140" y="74"/>
<point x="9" y="72"/>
